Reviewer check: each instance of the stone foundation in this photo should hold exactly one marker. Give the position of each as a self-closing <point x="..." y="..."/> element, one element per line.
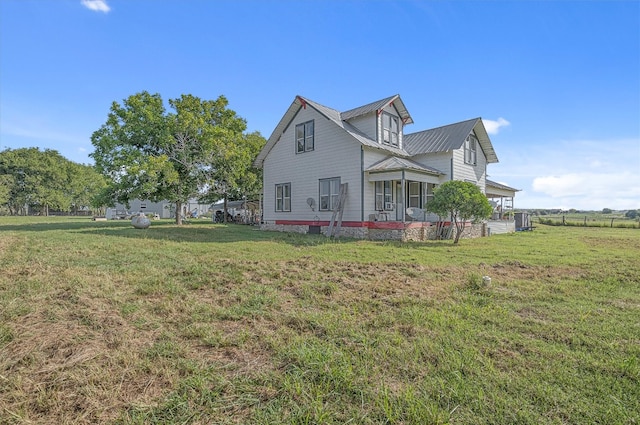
<point x="372" y="230"/>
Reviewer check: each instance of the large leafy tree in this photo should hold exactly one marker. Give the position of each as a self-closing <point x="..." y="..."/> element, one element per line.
<point x="462" y="202"/>
<point x="6" y="183"/>
<point x="233" y="175"/>
<point x="38" y="179"/>
<point x="150" y="153"/>
<point x="84" y="187"/>
<point x="44" y="180"/>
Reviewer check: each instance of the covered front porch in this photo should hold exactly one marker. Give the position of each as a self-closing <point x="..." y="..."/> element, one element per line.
<point x="400" y="190"/>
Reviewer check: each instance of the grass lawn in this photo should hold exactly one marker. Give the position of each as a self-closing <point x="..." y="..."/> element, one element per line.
<point x="225" y="324"/>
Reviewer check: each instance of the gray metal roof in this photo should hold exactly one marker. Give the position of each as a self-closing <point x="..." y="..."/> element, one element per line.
<point x="378" y="105"/>
<point x="330" y="113"/>
<point x="336" y="117"/>
<point x="491" y="183"/>
<point x="394" y="163"/>
<point x="440" y="139"/>
<point x="448" y="138"/>
<point x="365" y="109"/>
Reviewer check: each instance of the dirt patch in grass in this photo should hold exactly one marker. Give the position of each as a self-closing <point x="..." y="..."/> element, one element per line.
<point x="75" y="363"/>
<point x="5" y="243"/>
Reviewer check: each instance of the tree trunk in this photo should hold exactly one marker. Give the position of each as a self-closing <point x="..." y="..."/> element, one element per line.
<point x="179" y="213"/>
<point x="224" y="208"/>
<point x="458" y="234"/>
<point x="460" y="224"/>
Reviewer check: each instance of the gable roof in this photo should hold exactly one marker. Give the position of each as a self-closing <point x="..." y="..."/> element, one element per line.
<point x="448" y="138"/>
<point x="440" y="139"/>
<point x="378" y="106"/>
<point x="392" y="163"/>
<point x="336" y="117"/>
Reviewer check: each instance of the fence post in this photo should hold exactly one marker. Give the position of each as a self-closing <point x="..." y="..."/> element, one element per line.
<point x="585" y="221"/>
<point x="612" y="222"/>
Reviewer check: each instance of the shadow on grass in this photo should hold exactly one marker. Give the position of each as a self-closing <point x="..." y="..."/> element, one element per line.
<point x="200" y="231"/>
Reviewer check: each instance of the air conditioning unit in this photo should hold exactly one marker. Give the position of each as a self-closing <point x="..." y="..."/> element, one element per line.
<point x="389" y="205"/>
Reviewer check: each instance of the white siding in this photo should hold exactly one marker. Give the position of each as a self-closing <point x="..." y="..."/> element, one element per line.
<point x="335" y="154"/>
<point x="467" y="172"/>
<point x="440" y="161"/>
<point x="366" y="124"/>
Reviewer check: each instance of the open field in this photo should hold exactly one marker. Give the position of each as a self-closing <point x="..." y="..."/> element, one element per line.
<point x="215" y="324"/>
<point x="588" y="219"/>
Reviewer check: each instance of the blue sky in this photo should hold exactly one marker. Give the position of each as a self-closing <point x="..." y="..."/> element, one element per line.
<point x="557" y="83"/>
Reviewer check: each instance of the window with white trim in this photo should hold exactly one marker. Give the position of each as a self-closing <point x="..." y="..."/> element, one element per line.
<point x="304" y="137"/>
<point x="414" y="195"/>
<point x="428" y="193"/>
<point x="388" y="195"/>
<point x="390" y="128"/>
<point x="283" y="197"/>
<point x="384" y="195"/>
<point x="379" y="191"/>
<point x="329" y="193"/>
<point x="470" y="150"/>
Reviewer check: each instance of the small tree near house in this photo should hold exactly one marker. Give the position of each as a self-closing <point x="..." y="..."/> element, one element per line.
<point x="462" y="202"/>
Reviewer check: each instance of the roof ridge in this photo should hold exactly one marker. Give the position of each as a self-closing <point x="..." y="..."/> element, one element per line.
<point x="383" y="100"/>
<point x="306" y="99"/>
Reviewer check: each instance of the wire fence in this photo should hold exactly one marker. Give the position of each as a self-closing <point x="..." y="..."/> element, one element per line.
<point x="586" y="221"/>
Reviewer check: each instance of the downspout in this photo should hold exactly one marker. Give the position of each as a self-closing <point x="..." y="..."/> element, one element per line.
<point x="361" y="183"/>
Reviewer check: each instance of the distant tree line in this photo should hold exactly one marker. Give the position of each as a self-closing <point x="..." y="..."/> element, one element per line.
<point x="632" y="214"/>
<point x="37" y="182"/>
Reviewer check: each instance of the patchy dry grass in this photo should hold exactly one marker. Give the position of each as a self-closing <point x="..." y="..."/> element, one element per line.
<point x="103" y="323"/>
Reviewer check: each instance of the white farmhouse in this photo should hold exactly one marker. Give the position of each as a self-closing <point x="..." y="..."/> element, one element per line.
<point x="388" y="176"/>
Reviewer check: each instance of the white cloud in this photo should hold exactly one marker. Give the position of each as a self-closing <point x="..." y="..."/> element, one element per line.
<point x="580" y="174"/>
<point x="493" y="127"/>
<point x="96" y="5"/>
<point x="591" y="185"/>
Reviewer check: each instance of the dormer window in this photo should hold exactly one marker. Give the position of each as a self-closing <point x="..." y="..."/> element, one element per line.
<point x="304" y="137"/>
<point x="470" y="150"/>
<point x="390" y="128"/>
